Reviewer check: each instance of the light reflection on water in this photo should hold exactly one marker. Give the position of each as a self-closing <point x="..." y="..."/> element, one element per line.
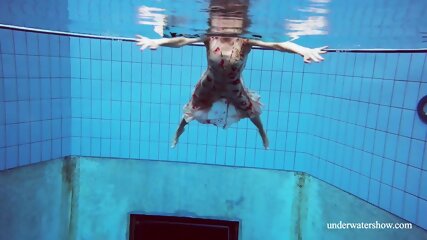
<point x="337" y="23"/>
<point x="153" y="16"/>
<point x="342" y="24"/>
<point x="308" y="18"/>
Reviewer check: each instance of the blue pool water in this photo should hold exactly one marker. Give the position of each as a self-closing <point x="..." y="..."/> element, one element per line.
<point x="340" y="24"/>
<point x="350" y="121"/>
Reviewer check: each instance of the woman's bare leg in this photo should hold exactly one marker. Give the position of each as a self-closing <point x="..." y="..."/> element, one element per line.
<point x="257" y="122"/>
<point x="178" y="132"/>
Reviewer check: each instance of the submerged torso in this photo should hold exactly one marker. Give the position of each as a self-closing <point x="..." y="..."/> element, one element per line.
<point x="226" y="58"/>
<point x="222" y="80"/>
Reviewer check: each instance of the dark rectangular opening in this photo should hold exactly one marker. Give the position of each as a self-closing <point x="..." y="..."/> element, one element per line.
<point x="153" y="227"/>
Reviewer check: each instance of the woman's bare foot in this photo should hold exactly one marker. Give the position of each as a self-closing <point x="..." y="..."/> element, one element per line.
<point x="257" y="122"/>
<point x="265" y="141"/>
<point x="178" y="133"/>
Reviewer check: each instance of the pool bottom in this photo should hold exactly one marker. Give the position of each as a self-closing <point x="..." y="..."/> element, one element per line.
<point x="91" y="198"/>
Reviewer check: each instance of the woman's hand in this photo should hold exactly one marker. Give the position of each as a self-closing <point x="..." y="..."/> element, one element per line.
<point x="144" y="42"/>
<point x="313" y="54"/>
<point x="309" y="54"/>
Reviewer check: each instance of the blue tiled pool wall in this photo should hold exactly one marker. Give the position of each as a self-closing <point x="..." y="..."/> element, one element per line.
<point x="350" y="121"/>
<point x="366" y="136"/>
<point x="35" y="98"/>
<point x="134" y="111"/>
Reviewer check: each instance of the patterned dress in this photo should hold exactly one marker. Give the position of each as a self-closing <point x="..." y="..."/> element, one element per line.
<point x="220" y="97"/>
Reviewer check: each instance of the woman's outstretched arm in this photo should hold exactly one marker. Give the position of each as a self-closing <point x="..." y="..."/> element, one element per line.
<point x="167" y="42"/>
<point x="309" y="54"/>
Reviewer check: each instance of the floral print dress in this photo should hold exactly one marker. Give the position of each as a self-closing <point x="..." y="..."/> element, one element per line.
<point x="220" y="97"/>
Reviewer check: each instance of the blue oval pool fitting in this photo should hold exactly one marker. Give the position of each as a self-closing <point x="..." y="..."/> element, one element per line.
<point x="422" y="109"/>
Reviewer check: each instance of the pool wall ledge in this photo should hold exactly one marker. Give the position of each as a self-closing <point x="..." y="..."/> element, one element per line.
<point x="91" y="198"/>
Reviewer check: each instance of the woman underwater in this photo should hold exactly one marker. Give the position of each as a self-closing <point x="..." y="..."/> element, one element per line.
<point x="220" y="96"/>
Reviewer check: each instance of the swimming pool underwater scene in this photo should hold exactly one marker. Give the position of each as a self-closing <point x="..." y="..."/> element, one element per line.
<point x="87" y="120"/>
